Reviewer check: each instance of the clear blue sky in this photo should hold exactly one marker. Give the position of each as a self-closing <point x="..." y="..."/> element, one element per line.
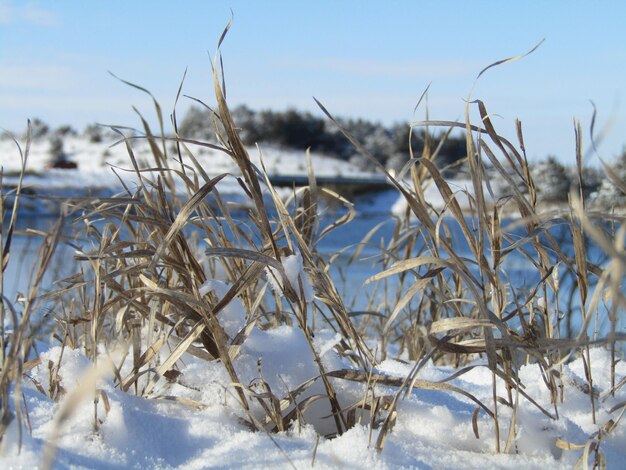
<point x="360" y="58"/>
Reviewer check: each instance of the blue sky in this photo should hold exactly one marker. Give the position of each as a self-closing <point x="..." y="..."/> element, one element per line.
<point x="360" y="58"/>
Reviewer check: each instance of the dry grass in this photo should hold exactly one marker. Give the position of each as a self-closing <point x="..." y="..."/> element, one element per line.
<point x="140" y="284"/>
<point x="18" y="325"/>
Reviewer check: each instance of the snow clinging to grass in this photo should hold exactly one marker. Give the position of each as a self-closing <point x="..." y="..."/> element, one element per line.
<point x="295" y="274"/>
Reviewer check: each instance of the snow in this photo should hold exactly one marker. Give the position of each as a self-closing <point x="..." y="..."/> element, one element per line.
<point x="460" y="188"/>
<point x="97" y="160"/>
<point x="433" y="427"/>
<point x="103" y="167"/>
<point x="233" y="316"/>
<point x="295" y="275"/>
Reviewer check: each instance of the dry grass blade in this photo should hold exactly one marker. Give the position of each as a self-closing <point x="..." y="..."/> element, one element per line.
<point x="182" y="400"/>
<point x="417" y="286"/>
<point x="458" y="324"/>
<point x="246" y="254"/>
<point x="510" y="59"/>
<point x="13" y="352"/>
<point x="365" y="241"/>
<point x="580" y="256"/>
<point x="148" y="355"/>
<point x="389" y="381"/>
<point x="157" y="106"/>
<point x="240" y="155"/>
<point x="5" y="241"/>
<point x="412" y="263"/>
<point x="418" y="209"/>
<point x="176" y="354"/>
<point x="183" y="215"/>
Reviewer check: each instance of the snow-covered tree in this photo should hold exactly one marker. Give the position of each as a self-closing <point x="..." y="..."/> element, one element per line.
<point x="380" y="144"/>
<point x="592" y="178"/>
<point x="64" y="131"/>
<point x="609" y="194"/>
<point x="94" y="133"/>
<point x="197" y="124"/>
<point x="248" y="123"/>
<point x="551" y="180"/>
<point x="397" y="161"/>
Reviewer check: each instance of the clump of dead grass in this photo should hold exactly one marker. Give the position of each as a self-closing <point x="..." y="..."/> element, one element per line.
<point x="140" y="284"/>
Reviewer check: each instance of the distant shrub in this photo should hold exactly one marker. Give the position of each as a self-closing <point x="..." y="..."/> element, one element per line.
<point x="39" y="129"/>
<point x="58" y="157"/>
<point x="65" y="131"/>
<point x="592" y="178"/>
<point x="249" y="124"/>
<point x="552" y="181"/>
<point x="56" y="149"/>
<point x="608" y="194"/>
<point x="396" y="162"/>
<point x="197" y="125"/>
<point x="94" y="133"/>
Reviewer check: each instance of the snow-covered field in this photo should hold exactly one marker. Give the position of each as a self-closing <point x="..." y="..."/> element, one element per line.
<point x="96" y="162"/>
<point x="433" y="430"/>
<point x="102" y="168"/>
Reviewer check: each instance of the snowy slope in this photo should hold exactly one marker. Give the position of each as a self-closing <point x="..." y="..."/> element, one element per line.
<point x="102" y="168"/>
<point x="95" y="161"/>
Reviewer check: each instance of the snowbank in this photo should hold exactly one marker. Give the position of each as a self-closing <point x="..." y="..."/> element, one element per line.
<point x="96" y="160"/>
<point x="433" y="429"/>
<point x="460" y="187"/>
<point x="104" y="170"/>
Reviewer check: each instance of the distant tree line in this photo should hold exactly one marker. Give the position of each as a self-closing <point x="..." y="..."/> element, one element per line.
<point x="292" y="129"/>
<point x="300" y="130"/>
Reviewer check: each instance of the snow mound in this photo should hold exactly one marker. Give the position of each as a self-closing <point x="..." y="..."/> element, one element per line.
<point x="433" y="428"/>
